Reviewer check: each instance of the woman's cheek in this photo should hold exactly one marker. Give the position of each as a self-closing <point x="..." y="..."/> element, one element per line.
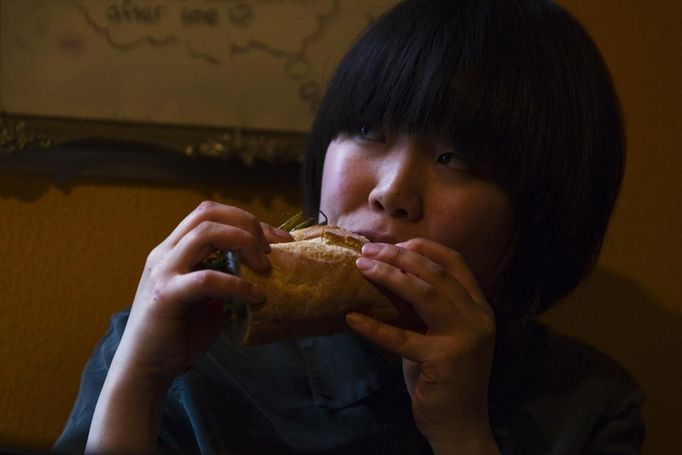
<point x="343" y="180"/>
<point x="477" y="222"/>
<point x="338" y="194"/>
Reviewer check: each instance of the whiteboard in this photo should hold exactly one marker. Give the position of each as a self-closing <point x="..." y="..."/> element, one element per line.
<point x="255" y="64"/>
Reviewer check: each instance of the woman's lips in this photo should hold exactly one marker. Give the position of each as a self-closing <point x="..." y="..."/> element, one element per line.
<point x="376" y="236"/>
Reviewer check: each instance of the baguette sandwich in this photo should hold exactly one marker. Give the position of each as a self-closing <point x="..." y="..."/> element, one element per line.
<point x="312" y="284"/>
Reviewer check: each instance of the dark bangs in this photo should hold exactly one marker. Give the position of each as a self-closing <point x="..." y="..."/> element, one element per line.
<point x="446" y="69"/>
<point x="400" y="77"/>
<point x="519" y="89"/>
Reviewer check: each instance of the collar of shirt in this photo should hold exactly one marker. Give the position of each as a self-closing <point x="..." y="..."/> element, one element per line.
<point x="334" y="372"/>
<point x="343" y="369"/>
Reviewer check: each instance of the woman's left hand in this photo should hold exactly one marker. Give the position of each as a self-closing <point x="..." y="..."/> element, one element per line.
<point x="447" y="368"/>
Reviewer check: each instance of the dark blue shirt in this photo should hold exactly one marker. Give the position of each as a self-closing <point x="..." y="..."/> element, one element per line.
<point x="339" y="394"/>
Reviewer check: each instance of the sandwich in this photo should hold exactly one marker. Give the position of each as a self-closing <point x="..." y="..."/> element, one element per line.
<point x="312" y="284"/>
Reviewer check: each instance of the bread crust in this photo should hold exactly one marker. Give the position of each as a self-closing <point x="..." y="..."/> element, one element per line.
<point x="312" y="284"/>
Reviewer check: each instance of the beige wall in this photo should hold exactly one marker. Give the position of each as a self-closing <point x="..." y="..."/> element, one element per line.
<point x="70" y="255"/>
<point x="632" y="305"/>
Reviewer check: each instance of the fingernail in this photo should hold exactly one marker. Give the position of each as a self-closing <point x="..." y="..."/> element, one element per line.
<point x="280" y="233"/>
<point x="371" y="249"/>
<point x="357" y="321"/>
<point x="364" y="263"/>
<point x="354" y="319"/>
<point x="258" y="294"/>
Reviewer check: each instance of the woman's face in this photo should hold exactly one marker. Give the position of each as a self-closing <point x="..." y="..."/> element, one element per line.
<point x="392" y="189"/>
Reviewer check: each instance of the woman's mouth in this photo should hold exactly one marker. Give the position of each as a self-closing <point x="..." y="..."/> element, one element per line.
<point x="377" y="236"/>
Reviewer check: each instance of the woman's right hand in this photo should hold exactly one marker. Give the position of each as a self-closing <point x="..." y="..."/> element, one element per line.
<point x="175" y="317"/>
<point x="177" y="311"/>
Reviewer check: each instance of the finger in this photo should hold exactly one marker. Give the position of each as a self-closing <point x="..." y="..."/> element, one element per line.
<point x="210" y="236"/>
<point x="275" y="235"/>
<point x="207" y="285"/>
<point x="451" y="261"/>
<point x="420" y="279"/>
<point x="409" y="345"/>
<point x="219" y="213"/>
<point x="414" y="263"/>
<point x="432" y="304"/>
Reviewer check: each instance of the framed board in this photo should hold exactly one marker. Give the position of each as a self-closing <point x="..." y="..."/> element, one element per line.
<point x="223" y="78"/>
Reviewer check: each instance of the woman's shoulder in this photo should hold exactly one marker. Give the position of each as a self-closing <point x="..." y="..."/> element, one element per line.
<point x="558" y="391"/>
<point x="568" y="360"/>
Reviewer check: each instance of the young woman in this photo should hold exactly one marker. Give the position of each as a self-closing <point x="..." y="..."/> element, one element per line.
<point x="479" y="145"/>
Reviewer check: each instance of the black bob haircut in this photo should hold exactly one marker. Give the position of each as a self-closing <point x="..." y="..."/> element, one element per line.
<point x="519" y="88"/>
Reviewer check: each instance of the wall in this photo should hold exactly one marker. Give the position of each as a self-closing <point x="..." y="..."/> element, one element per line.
<point x="71" y="254"/>
<point x="631" y="306"/>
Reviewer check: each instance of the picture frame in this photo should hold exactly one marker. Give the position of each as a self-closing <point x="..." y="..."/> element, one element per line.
<point x="183" y="81"/>
<point x="67" y="148"/>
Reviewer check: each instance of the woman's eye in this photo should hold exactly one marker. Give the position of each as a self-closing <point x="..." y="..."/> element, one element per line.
<point x="369" y="133"/>
<point x="453" y="161"/>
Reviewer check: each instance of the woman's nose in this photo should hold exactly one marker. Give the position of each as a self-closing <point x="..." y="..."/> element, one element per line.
<point x="398" y="188"/>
